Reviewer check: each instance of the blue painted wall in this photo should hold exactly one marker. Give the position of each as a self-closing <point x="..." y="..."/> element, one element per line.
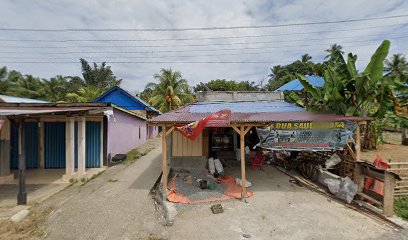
<point x="54" y="145"/>
<point x="118" y="98"/>
<point x="31" y="145"/>
<point x="93" y="144"/>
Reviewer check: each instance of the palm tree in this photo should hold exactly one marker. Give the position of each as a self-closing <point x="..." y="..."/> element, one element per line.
<point x="85" y="94"/>
<point x="55" y="89"/>
<point x="27" y="86"/>
<point x="99" y="76"/>
<point x="335" y="51"/>
<point x="170" y="91"/>
<point x="397" y="70"/>
<point x="306" y="58"/>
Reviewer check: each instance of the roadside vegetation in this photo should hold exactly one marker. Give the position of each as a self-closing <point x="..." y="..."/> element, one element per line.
<point x="401" y="207"/>
<point x="31" y="226"/>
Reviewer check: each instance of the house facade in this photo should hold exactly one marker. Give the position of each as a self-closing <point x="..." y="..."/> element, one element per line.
<point x="74" y="137"/>
<point x="125" y="100"/>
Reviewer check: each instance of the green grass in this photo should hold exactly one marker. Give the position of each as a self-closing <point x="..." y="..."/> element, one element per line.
<point x="135" y="154"/>
<point x="401" y="207"/>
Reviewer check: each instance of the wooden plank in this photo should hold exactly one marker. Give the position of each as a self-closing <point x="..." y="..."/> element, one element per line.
<point x="164" y="164"/>
<point x="184" y="146"/>
<point x="200" y="145"/>
<point x="351" y="152"/>
<point x="363" y="195"/>
<point x="180" y="141"/>
<point x="358" y="177"/>
<point x="236" y="129"/>
<point x="371" y="173"/>
<point x="397" y="163"/>
<point x="170" y="130"/>
<point x="397" y="169"/>
<point x="389" y="185"/>
<point x="174" y="144"/>
<point x="247" y="130"/>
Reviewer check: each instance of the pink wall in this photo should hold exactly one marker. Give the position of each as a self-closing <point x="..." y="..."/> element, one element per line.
<point x="152" y="131"/>
<point x="123" y="134"/>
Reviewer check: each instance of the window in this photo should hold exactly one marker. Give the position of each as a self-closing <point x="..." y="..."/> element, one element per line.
<point x="139" y="132"/>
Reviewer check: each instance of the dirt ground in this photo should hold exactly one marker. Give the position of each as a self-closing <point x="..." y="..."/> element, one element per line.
<point x="390" y="150"/>
<point x="117" y="205"/>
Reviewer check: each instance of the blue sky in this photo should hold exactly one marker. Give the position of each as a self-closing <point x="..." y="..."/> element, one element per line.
<point x="280" y="46"/>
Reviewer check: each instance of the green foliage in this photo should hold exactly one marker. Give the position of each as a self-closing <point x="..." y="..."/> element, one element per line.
<point x="170" y="92"/>
<point x="225" y="85"/>
<point x="368" y="93"/>
<point x="98" y="76"/>
<point x="96" y="80"/>
<point x="401" y="207"/>
<point x="281" y="75"/>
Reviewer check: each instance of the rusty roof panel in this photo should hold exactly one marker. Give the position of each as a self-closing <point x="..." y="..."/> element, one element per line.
<point x="277" y="113"/>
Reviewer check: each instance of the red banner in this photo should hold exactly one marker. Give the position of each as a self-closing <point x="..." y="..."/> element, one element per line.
<point x="219" y="119"/>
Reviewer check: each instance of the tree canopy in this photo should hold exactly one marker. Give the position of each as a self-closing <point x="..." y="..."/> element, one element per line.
<point x="170" y="90"/>
<point x="95" y="80"/>
<point x="225" y="85"/>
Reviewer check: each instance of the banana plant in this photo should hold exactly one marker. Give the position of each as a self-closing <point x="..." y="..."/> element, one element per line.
<point x="346" y="91"/>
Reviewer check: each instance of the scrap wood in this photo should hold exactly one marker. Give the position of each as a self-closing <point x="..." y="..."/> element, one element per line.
<point x="354" y="205"/>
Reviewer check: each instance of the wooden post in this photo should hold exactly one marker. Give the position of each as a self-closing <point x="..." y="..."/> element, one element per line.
<point x="358" y="143"/>
<point x="358" y="178"/>
<point x="41" y="143"/>
<point x="388" y="202"/>
<point x="22" y="194"/>
<point x="243" y="176"/>
<point x="164" y="163"/>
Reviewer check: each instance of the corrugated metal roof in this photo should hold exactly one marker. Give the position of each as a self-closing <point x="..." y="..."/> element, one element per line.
<point x="15" y="111"/>
<point x="13" y="99"/>
<point x="254" y="112"/>
<point x="295" y="85"/>
<point x="244" y="107"/>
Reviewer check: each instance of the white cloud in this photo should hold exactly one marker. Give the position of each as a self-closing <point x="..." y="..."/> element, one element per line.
<point x="184" y="14"/>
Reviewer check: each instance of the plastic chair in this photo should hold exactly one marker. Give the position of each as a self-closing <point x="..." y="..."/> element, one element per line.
<point x="258" y="160"/>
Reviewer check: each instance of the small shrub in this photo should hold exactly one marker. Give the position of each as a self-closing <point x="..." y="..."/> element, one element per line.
<point x="401" y="207"/>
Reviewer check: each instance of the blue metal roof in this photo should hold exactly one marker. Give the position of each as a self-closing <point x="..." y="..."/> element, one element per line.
<point x="122" y="98"/>
<point x="244" y="107"/>
<point x="295" y="85"/>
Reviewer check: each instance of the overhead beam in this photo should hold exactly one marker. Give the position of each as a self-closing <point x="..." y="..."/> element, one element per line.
<point x="170" y="131"/>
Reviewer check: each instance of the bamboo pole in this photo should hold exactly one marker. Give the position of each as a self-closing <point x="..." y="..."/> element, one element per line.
<point x="164" y="163"/>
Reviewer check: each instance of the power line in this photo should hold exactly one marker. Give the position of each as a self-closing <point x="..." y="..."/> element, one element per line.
<point x="190" y="50"/>
<point x="198" y="38"/>
<point x="197" y="28"/>
<point x="151" y="62"/>
<point x="194" y="45"/>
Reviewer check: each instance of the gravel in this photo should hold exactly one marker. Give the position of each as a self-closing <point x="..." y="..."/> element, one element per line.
<point x="191" y="188"/>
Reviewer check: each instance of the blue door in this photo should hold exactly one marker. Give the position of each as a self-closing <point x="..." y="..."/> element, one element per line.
<point x="14" y="145"/>
<point x="31" y="142"/>
<point x="93" y="144"/>
<point x="54" y="144"/>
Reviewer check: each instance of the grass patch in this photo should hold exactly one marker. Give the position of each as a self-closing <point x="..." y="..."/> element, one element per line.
<point x="31" y="226"/>
<point x="401" y="207"/>
<point x="135" y="154"/>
